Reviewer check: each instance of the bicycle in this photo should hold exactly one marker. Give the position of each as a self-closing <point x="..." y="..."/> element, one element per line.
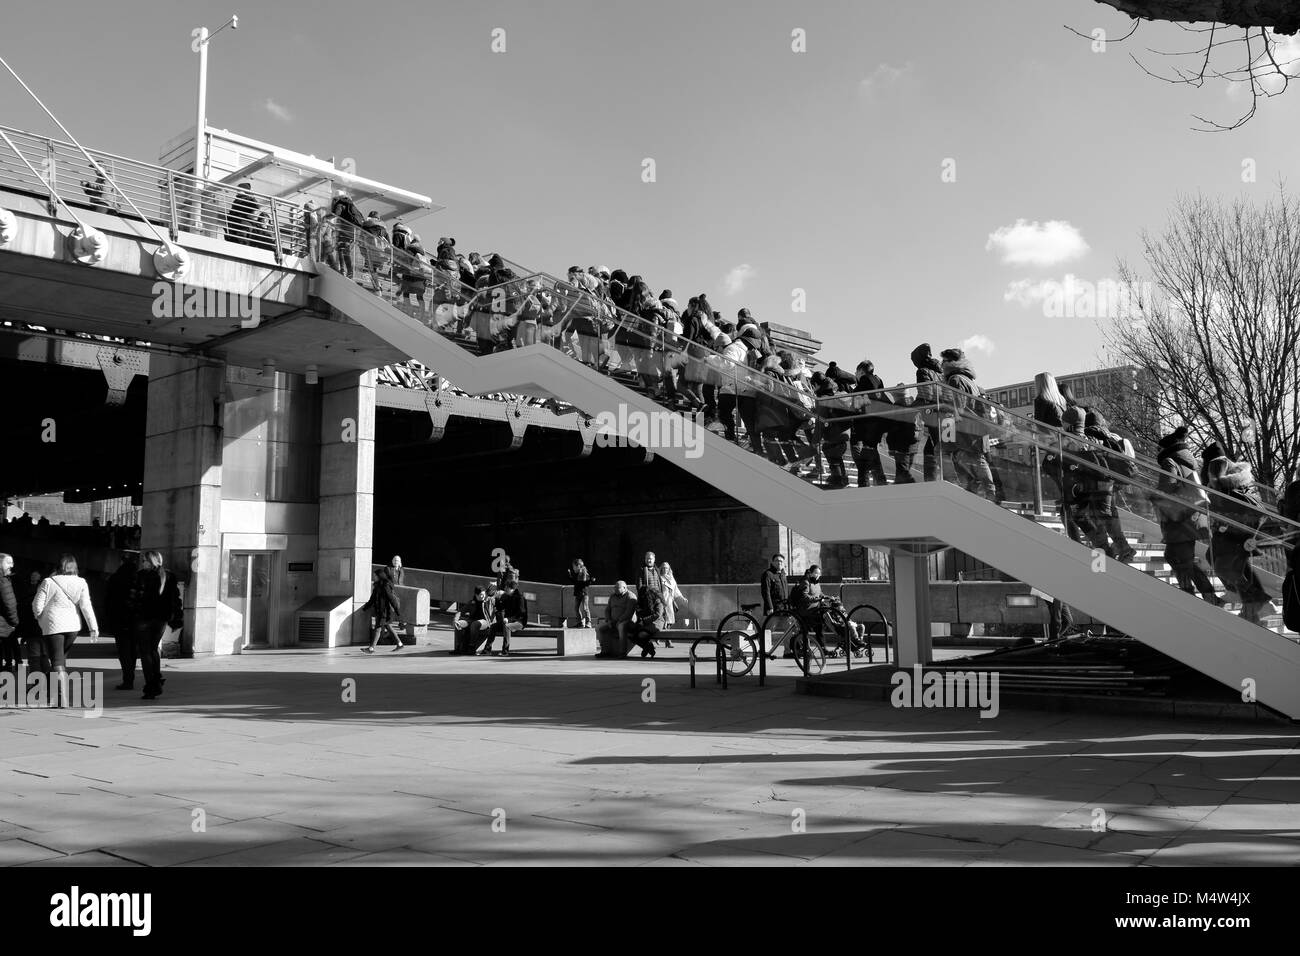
<point x="739" y="631"/>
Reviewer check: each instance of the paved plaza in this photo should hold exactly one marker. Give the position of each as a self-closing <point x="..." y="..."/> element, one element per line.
<point x="259" y="760"/>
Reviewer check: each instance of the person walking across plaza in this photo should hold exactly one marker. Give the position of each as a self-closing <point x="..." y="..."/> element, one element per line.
<point x="384" y="608"/>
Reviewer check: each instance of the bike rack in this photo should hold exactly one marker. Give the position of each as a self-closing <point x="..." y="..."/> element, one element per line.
<point x="719" y="662"/>
<point x="888" y="635"/>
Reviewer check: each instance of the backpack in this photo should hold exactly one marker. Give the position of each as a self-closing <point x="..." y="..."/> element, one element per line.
<point x="1124" y="462"/>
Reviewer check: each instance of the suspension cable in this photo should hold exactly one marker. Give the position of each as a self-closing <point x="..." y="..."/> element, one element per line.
<point x="163" y="240"/>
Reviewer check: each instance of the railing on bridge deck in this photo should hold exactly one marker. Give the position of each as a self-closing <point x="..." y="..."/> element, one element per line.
<point x="176" y="201"/>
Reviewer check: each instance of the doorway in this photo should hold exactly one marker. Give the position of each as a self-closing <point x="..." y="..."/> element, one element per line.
<point x="249" y="579"/>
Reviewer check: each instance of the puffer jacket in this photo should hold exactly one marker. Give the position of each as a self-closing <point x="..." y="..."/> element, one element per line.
<point x="57" y="601"/>
<point x="9" y="619"/>
<point x="1238" y="500"/>
<point x="928" y="369"/>
<point x="737" y="353"/>
<point x="1182" y="484"/>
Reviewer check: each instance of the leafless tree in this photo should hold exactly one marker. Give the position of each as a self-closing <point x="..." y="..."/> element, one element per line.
<point x="1238" y="41"/>
<point x="1218" y="334"/>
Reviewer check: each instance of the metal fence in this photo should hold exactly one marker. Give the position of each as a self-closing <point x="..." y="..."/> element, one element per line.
<point x="171" y="200"/>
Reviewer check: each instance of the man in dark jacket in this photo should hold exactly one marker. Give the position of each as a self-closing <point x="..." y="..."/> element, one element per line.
<point x="773" y="585"/>
<point x="475" y="617"/>
<point x="970" y="449"/>
<point x="119" y="606"/>
<point x="620" y="622"/>
<point x="1181" y="499"/>
<point x="242" y="216"/>
<point x="347" y="220"/>
<point x="9" y="619"/>
<point x="870" y="427"/>
<point x="928" y="370"/>
<point x="511" y="616"/>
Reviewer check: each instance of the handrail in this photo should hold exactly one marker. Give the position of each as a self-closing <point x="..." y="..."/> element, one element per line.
<point x="740" y="375"/>
<point x="161" y="196"/>
<point x="1057" y="441"/>
<point x="164" y="242"/>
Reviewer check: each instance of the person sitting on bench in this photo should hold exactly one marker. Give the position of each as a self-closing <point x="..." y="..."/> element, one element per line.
<point x="619" y="626"/>
<point x="475" y="618"/>
<point x="651" y="620"/>
<point x="511" y="616"/>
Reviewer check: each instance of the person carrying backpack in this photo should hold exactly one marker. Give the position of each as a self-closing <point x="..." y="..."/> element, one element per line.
<point x="928" y="370"/>
<point x="347" y="220"/>
<point x="1180" y="502"/>
<point x="1105" y="513"/>
<point x="970" y="449"/>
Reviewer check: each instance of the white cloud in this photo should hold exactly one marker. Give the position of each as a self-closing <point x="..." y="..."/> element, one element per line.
<point x="884" y="75"/>
<point x="978" y="343"/>
<point x="278" y="111"/>
<point x="736" y="280"/>
<point x="1037" y="244"/>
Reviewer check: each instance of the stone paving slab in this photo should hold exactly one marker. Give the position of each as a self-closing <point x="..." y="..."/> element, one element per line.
<point x="435" y="749"/>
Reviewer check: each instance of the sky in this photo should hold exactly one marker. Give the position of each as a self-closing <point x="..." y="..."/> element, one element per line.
<point x="922" y="171"/>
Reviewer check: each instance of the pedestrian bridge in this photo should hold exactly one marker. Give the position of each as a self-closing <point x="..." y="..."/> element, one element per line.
<point x="317" y="322"/>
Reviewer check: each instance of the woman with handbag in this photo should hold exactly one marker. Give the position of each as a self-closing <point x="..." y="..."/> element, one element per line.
<point x="385" y="608"/>
<point x="56" y="605"/>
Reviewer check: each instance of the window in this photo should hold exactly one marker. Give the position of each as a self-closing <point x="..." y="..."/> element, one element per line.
<point x="1024" y="397"/>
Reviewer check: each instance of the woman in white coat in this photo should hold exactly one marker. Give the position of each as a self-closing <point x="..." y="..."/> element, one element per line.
<point x="672" y="595"/>
<point x="58" y="600"/>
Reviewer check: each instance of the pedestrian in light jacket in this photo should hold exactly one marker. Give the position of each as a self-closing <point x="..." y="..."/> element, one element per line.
<point x="61" y="601"/>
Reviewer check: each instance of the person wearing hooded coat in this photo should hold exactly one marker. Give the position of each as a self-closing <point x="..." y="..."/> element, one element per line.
<point x="1234" y="512"/>
<point x="870" y="426"/>
<point x="1183" y="499"/>
<point x="969" y="452"/>
<point x="928" y="369"/>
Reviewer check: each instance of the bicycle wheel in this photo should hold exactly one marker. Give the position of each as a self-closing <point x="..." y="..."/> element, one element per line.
<point x="736" y="634"/>
<point x="815" y="655"/>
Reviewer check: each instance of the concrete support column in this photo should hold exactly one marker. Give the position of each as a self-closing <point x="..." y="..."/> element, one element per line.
<point x="910" y="574"/>
<point x="182" y="485"/>
<point x="347" y="492"/>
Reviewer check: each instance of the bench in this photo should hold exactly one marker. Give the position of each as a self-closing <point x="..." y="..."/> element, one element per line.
<point x="569" y="641"/>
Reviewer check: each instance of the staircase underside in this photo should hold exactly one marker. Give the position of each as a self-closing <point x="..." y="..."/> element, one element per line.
<point x="1231" y="651"/>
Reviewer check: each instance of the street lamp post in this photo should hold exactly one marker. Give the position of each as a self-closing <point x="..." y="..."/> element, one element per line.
<point x="199" y="44"/>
